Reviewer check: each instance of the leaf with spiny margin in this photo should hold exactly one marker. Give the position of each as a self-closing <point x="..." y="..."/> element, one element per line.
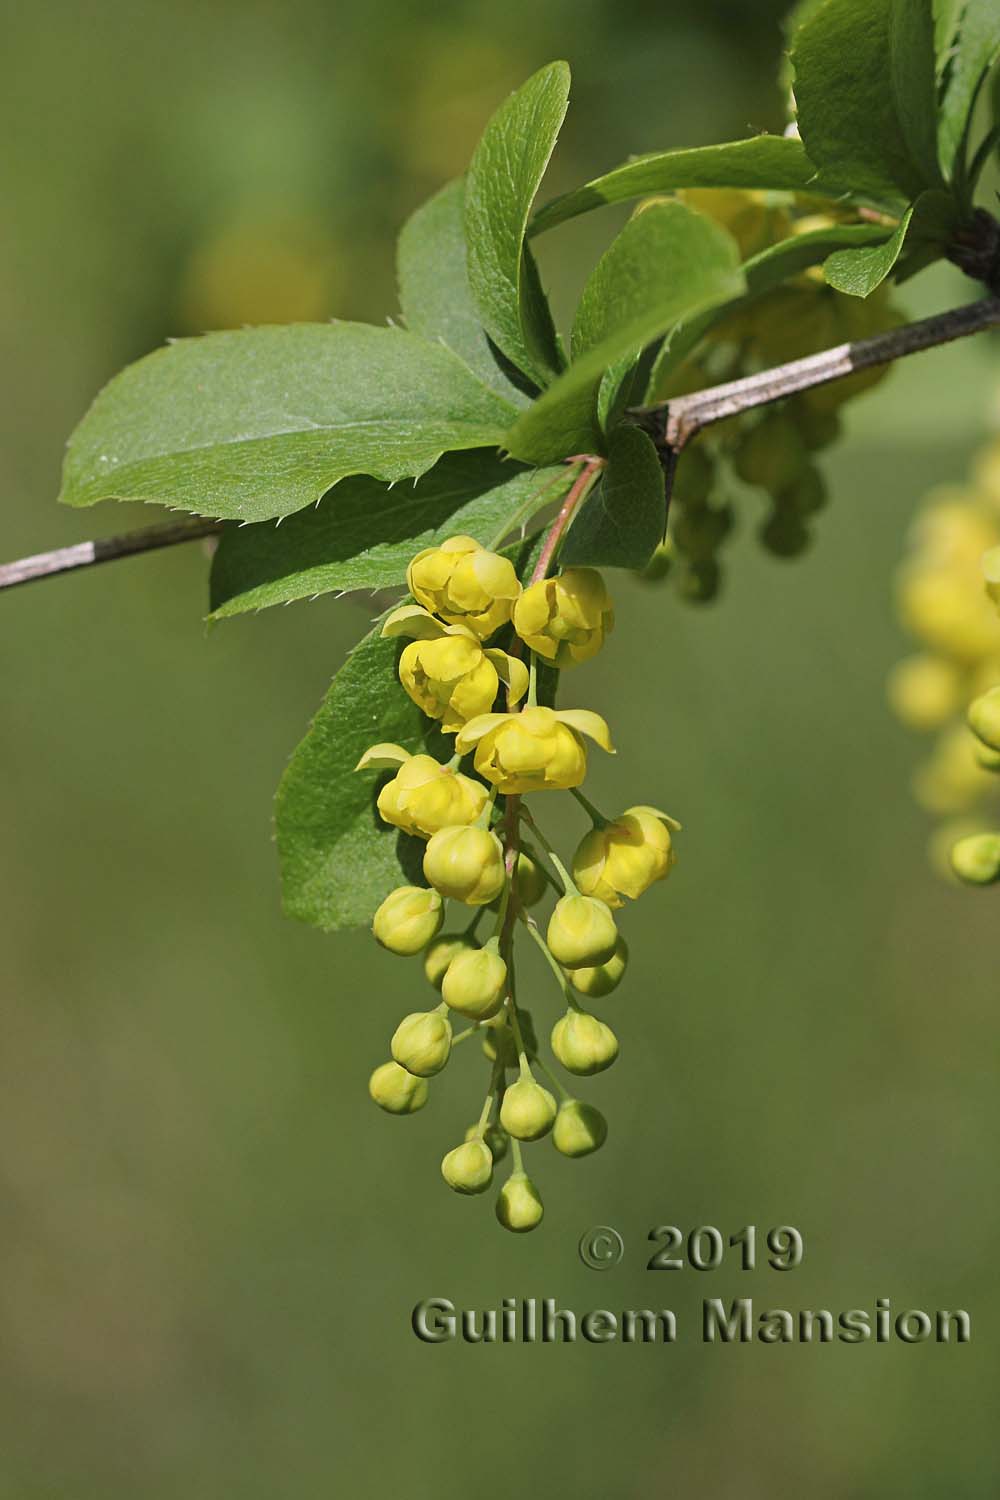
<point x="762" y="272"/>
<point x="503" y="178"/>
<point x="622" y="521"/>
<point x="259" y="422"/>
<point x="363" y="534"/>
<point x="667" y="263"/>
<point x="927" y="224"/>
<point x="338" y="859"/>
<point x="763" y="161"/>
<point x="434" y="291"/>
<point x="853" y="90"/>
<point x="976" y="51"/>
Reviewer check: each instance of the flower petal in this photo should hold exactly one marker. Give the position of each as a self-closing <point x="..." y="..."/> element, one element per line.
<point x="585" y="721"/>
<point x="413" y="620"/>
<point x="512" y="673"/>
<point x="382" y="756"/>
<point x="476" y="728"/>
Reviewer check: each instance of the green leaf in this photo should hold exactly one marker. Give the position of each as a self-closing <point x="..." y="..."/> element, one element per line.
<point x="914" y="84"/>
<point x="947" y="14"/>
<point x="763" y="272"/>
<point x="506" y="169"/>
<point x="257" y="423"/>
<point x="850" y="69"/>
<point x="762" y="161"/>
<point x="927" y="223"/>
<point x="623" y="519"/>
<point x="363" y="534"/>
<point x="667" y="263"/>
<point x="434" y="291"/>
<point x="338" y="859"/>
<point x="977" y="50"/>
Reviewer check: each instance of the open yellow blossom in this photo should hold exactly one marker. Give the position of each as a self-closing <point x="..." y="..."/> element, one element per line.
<point x="465" y="584"/>
<point x="535" y="749"/>
<point x="447" y="671"/>
<point x="565" y="619"/>
<point x="625" y="857"/>
<point x="423" y="796"/>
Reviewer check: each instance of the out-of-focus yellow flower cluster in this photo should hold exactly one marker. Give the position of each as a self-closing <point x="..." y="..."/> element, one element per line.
<point x="946" y="688"/>
<point x="485" y="852"/>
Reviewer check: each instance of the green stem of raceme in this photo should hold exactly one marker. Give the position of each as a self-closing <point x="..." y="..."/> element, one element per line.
<point x="484" y="1117"/>
<point x="470" y="930"/>
<point x="552" y="962"/>
<point x="552" y="1080"/>
<point x="464" y="1035"/>
<point x="597" y="818"/>
<point x="517" y="1164"/>
<point x="486" y="816"/>
<point x="591" y="466"/>
<point x="570" y="887"/>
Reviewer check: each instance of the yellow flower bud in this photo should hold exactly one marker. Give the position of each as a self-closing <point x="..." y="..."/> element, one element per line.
<point x="976" y="859"/>
<point x="579" y="1129"/>
<point x="528" y="1110"/>
<point x="583" y="1044"/>
<point x="421" y="1042"/>
<point x="397" y="1091"/>
<point x="498" y="1037"/>
<point x="565" y="619"/>
<point x="924" y="691"/>
<point x="476" y="983"/>
<point x="535" y="749"/>
<point x="519" y="1207"/>
<point x="441" y="952"/>
<point x="984" y="718"/>
<point x="601" y="979"/>
<point x="581" y="932"/>
<point x="465" y="864"/>
<point x="987" y="758"/>
<point x="952" y="779"/>
<point x="625" y="857"/>
<point x="497" y="1140"/>
<point x="529" y="880"/>
<point x="465" y="584"/>
<point x="424" y="796"/>
<point x="407" y="919"/>
<point x="468" y="1168"/>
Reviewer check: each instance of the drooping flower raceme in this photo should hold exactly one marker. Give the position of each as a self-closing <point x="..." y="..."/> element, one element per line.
<point x="486" y="855"/>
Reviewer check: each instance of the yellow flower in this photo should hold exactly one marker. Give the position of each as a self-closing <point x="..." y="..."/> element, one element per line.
<point x="465" y="584"/>
<point x="423" y="796"/>
<point x="446" y="670"/>
<point x="625" y="857"/>
<point x="534" y="749"/>
<point x="565" y="619"/>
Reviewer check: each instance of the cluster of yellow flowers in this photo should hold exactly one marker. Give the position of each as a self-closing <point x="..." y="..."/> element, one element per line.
<point x="485" y="851"/>
<point x="948" y="590"/>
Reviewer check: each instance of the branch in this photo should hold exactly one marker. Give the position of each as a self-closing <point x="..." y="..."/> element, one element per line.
<point x="84" y="554"/>
<point x="672" y="424"/>
<point x="685" y="416"/>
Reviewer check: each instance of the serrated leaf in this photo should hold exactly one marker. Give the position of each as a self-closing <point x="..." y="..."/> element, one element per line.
<point x="363" y="534"/>
<point x="976" y="51"/>
<point x="506" y="169"/>
<point x="762" y="273"/>
<point x="434" y="292"/>
<point x="927" y="222"/>
<point x="623" y="519"/>
<point x="849" y="115"/>
<point x="258" y="423"/>
<point x="338" y="859"/>
<point x="667" y="263"/>
<point x="762" y="161"/>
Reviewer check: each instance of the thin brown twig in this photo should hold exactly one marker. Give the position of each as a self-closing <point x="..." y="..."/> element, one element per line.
<point x="672" y="425"/>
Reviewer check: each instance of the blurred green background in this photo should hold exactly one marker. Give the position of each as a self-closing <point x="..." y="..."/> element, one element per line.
<point x="211" y="1241"/>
